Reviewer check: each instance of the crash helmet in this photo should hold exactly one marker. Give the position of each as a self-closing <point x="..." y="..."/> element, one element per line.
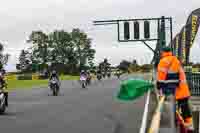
<point x="54" y="73"/>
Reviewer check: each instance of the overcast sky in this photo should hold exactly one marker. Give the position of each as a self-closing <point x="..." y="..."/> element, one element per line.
<point x="20" y="17"/>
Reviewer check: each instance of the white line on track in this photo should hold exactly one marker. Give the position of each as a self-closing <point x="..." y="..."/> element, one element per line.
<point x="199" y="121"/>
<point x="29" y="103"/>
<point x="145" y="114"/>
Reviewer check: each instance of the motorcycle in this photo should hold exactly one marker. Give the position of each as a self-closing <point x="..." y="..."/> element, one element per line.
<point x="83" y="81"/>
<point x="88" y="81"/>
<point x="2" y="99"/>
<point x="54" y="86"/>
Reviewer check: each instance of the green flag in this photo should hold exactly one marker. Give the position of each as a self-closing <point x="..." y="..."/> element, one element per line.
<point x="132" y="89"/>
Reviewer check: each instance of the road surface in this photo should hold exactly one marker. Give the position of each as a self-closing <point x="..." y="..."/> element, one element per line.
<point x="76" y="110"/>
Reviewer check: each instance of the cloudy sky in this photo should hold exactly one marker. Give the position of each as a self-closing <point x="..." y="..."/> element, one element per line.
<point x="20" y="17"/>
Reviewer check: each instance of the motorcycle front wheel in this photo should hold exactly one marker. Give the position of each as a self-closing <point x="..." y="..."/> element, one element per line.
<point x="54" y="91"/>
<point x="83" y="85"/>
<point x="3" y="107"/>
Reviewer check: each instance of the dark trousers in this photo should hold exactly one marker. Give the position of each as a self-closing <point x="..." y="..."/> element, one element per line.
<point x="185" y="109"/>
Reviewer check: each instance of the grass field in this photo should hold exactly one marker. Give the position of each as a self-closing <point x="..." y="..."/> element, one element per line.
<point x="28" y="84"/>
<point x="25" y="84"/>
<point x="69" y="77"/>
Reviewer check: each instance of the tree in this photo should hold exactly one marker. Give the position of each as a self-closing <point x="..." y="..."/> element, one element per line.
<point x="40" y="52"/>
<point x="134" y="62"/>
<point x="146" y="67"/>
<point x="91" y="54"/>
<point x="82" y="47"/>
<point x="105" y="65"/>
<point x="61" y="48"/>
<point x="3" y="57"/>
<point x="18" y="67"/>
<point x="124" y="65"/>
<point x="24" y="61"/>
<point x="134" y="67"/>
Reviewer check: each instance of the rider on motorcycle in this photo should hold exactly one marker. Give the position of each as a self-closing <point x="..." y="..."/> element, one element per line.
<point x="55" y="75"/>
<point x="88" y="76"/>
<point x="4" y="84"/>
<point x="83" y="73"/>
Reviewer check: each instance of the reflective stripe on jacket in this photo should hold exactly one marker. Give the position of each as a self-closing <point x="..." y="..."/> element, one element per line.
<point x="170" y="71"/>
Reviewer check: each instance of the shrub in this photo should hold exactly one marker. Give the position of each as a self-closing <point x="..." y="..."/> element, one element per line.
<point x="24" y="77"/>
<point x="43" y="76"/>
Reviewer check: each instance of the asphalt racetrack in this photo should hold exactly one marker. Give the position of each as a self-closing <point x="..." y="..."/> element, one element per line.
<point x="94" y="109"/>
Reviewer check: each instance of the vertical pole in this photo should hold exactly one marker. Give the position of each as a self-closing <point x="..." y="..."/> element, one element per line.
<point x="159" y="41"/>
<point x="118" y="34"/>
<point x="171" y="32"/>
<point x="158" y="47"/>
<point x="162" y="32"/>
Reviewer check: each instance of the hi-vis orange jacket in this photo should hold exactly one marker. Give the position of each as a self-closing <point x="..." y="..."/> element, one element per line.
<point x="169" y="64"/>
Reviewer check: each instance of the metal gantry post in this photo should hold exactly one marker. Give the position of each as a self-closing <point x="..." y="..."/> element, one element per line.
<point x="171" y="32"/>
<point x="118" y="31"/>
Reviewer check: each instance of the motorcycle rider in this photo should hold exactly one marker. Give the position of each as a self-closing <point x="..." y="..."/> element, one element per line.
<point x="88" y="72"/>
<point x="54" y="74"/>
<point x="4" y="84"/>
<point x="88" y="76"/>
<point x="83" y="73"/>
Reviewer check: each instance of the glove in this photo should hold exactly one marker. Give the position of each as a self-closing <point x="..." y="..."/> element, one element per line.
<point x="161" y="92"/>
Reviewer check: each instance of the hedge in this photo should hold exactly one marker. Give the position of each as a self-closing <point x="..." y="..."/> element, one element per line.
<point x="24" y="77"/>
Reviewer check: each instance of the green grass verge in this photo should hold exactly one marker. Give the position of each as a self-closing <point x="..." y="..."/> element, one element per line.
<point x="28" y="84"/>
<point x="25" y="84"/>
<point x="69" y="77"/>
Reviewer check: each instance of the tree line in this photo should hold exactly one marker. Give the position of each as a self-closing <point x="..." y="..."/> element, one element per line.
<point x="3" y="56"/>
<point x="128" y="66"/>
<point x="65" y="51"/>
